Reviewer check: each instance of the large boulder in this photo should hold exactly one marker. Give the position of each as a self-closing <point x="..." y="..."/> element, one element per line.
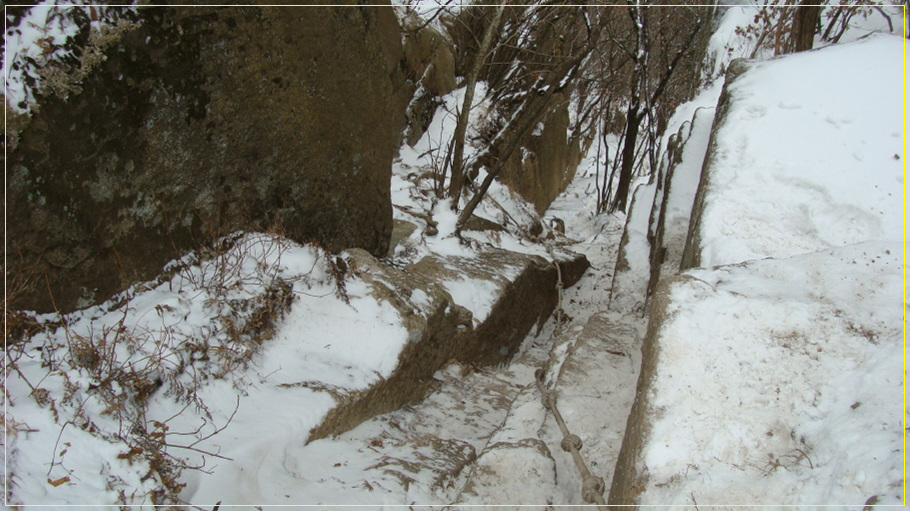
<point x="199" y="122"/>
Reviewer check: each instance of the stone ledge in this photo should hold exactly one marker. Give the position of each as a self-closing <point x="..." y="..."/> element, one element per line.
<point x="523" y="295"/>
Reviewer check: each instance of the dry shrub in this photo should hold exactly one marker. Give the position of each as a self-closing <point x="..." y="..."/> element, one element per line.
<point x="123" y="362"/>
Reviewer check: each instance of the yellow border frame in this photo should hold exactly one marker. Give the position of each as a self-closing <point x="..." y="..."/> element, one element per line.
<point x="906" y="28"/>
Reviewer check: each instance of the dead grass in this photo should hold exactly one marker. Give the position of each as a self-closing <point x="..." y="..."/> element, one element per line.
<point x="121" y="363"/>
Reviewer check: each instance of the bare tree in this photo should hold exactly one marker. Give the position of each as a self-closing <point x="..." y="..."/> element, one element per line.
<point x="806" y="18"/>
<point x="457" y="181"/>
<point x="549" y="72"/>
<point x="788" y="26"/>
<point x="620" y="62"/>
<point x="655" y="61"/>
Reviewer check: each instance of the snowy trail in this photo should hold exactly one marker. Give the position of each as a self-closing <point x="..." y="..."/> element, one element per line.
<point x="599" y="356"/>
<point x="483" y="436"/>
<point x="813" y="301"/>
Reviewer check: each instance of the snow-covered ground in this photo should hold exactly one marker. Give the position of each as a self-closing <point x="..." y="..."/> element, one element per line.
<point x="224" y="405"/>
<point x="779" y="381"/>
<point x="822" y="157"/>
<point x="167" y="365"/>
<point x="477" y="439"/>
<point x="793" y="348"/>
<point x="779" y="367"/>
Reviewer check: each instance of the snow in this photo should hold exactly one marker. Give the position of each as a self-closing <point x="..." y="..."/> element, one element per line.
<point x="692" y="123"/>
<point x="780" y="365"/>
<point x="182" y="322"/>
<point x="771" y="151"/>
<point x="736" y="422"/>
<point x="269" y="398"/>
<point x="242" y="413"/>
<point x="477" y="295"/>
<point x="334" y="342"/>
<point x="696" y="118"/>
<point x="500" y="204"/>
<point x="627" y="292"/>
<point x="36" y="41"/>
<point x="416" y="13"/>
<point x="728" y="41"/>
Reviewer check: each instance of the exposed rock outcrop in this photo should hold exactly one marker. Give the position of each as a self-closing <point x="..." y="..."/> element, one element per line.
<point x="548" y="159"/>
<point x="671" y="214"/>
<point x="545" y="161"/>
<point x="429" y="60"/>
<point x="630" y="476"/>
<point x="450" y="327"/>
<point x="691" y="257"/>
<point x="202" y="121"/>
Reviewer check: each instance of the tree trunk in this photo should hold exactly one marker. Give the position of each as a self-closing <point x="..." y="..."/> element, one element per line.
<point x="805" y="20"/>
<point x="457" y="182"/>
<point x="635" y="114"/>
<point x="537" y="106"/>
<point x="620" y="200"/>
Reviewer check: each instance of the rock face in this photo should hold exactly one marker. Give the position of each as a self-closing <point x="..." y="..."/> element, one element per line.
<point x="630" y="477"/>
<point x="691" y="257"/>
<point x="430" y="60"/>
<point x="203" y="121"/>
<point x="548" y="159"/>
<point x="549" y="156"/>
<point x="430" y="70"/>
<point x="672" y="213"/>
<point x="598" y="376"/>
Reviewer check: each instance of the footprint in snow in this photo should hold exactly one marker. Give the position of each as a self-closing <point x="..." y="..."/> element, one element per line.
<point x="838" y="122"/>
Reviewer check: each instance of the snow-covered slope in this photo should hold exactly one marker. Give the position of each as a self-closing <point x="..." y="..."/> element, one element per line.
<point x="779" y="382"/>
<point x="778" y="375"/>
<point x="774" y="373"/>
<point x="199" y="369"/>
<point x="207" y="384"/>
<point x="809" y="155"/>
